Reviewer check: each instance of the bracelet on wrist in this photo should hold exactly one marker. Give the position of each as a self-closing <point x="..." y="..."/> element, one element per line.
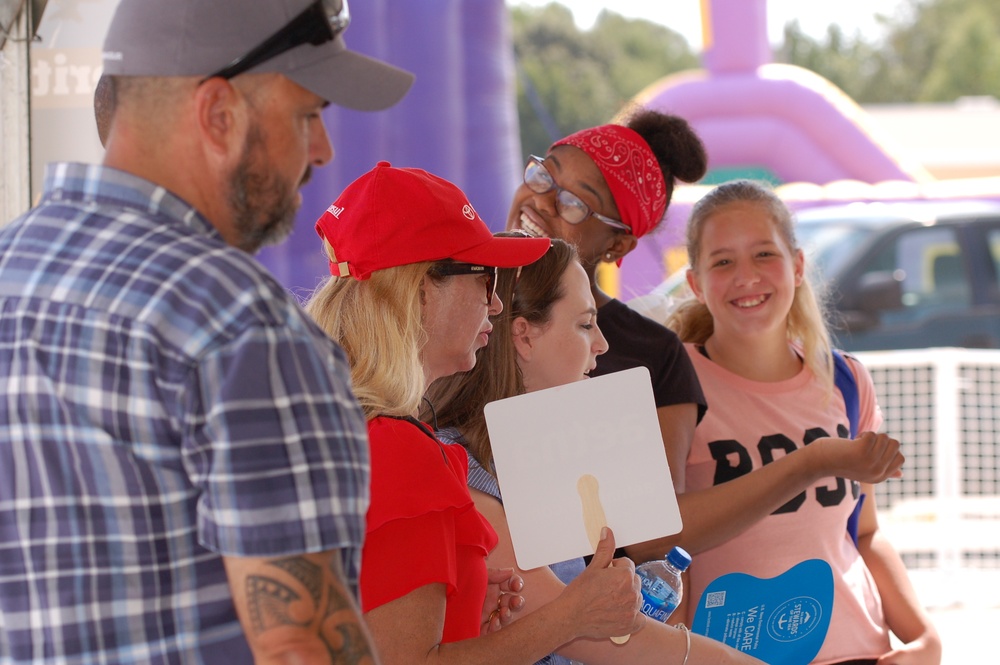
<point x="687" y="636"/>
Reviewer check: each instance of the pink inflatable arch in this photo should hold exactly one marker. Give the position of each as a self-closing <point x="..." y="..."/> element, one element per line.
<point x="789" y="121"/>
<point x="784" y="118"/>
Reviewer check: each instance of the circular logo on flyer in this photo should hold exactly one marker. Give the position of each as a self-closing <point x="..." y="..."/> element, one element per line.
<point x="794" y="619"/>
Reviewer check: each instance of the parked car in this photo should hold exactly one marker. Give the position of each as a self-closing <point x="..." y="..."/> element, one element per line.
<point x="898" y="275"/>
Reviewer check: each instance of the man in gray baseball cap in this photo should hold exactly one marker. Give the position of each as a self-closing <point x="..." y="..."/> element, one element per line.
<point x="199" y="38"/>
<point x="183" y="467"/>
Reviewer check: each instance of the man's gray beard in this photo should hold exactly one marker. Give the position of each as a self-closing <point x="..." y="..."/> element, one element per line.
<point x="263" y="207"/>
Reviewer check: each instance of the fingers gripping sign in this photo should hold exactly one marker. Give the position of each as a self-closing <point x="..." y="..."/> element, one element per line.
<point x="595" y="522"/>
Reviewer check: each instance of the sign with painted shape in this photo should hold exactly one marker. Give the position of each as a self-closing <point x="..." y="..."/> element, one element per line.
<point x="781" y="621"/>
<point x="573" y="458"/>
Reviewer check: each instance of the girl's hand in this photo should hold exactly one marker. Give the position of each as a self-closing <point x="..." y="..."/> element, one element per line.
<point x="607" y="595"/>
<point x="871" y="458"/>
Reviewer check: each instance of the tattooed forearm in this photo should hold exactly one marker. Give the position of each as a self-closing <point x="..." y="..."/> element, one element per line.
<point x="353" y="647"/>
<point x="307" y="573"/>
<point x="270" y="600"/>
<point x="307" y="594"/>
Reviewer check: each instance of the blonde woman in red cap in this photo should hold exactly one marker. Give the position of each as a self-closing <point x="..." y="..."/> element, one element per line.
<point x="412" y="288"/>
<point x="601" y="189"/>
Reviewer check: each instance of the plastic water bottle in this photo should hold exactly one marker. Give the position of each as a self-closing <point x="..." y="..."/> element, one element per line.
<point x="662" y="588"/>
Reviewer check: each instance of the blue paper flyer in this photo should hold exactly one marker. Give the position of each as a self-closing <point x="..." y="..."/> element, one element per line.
<point x="781" y="621"/>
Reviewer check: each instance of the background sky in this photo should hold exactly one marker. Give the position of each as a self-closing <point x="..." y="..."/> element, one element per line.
<point x="684" y="16"/>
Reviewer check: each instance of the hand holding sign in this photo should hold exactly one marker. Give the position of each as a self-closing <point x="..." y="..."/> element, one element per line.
<point x="606" y="594"/>
<point x="594" y="520"/>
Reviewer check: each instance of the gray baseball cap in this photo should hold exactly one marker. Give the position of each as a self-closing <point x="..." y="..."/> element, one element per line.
<point x="198" y="37"/>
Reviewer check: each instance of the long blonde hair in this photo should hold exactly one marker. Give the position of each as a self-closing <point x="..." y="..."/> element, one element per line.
<point x="378" y="323"/>
<point x="806" y="326"/>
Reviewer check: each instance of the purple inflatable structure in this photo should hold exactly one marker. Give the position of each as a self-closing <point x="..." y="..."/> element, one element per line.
<point x="458" y="121"/>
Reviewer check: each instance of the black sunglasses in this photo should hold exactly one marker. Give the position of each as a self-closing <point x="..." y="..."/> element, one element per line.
<point x="319" y="23"/>
<point x="446" y="269"/>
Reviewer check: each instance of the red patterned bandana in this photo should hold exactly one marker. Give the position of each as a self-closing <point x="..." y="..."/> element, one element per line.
<point x="631" y="171"/>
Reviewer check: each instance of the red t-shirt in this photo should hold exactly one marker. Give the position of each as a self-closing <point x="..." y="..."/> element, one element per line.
<point x="422" y="527"/>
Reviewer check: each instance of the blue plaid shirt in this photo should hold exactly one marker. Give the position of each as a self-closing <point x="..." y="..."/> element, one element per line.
<point x="164" y="402"/>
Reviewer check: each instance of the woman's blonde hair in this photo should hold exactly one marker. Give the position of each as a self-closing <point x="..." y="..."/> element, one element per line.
<point x="378" y="323"/>
<point x="806" y="327"/>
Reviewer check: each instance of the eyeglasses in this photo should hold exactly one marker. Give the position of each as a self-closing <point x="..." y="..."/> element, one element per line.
<point x="448" y="268"/>
<point x="569" y="206"/>
<point x="320" y="22"/>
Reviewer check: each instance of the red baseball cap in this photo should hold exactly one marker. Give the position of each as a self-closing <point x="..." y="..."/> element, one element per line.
<point x="396" y="216"/>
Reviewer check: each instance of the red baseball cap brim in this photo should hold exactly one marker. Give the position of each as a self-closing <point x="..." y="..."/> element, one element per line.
<point x="505" y="252"/>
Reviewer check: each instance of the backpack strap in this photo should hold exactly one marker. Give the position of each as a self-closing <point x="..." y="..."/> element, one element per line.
<point x="843" y="377"/>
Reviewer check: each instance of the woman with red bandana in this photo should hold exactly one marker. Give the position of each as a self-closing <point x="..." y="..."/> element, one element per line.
<point x="601" y="189"/>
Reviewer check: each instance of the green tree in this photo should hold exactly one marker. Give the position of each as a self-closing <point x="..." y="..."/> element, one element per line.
<point x="931" y="50"/>
<point x="570" y="79"/>
<point x="846" y="61"/>
<point x="967" y="62"/>
<point x="640" y="52"/>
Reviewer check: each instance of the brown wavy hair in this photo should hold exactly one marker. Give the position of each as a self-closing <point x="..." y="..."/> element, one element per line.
<point x="458" y="400"/>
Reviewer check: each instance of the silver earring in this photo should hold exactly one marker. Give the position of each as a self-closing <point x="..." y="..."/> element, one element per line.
<point x="607" y="256"/>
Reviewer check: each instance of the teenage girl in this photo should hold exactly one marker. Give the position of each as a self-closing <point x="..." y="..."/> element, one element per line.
<point x="782" y="485"/>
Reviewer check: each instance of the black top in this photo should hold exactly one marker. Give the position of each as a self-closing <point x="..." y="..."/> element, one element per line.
<point x="637" y="341"/>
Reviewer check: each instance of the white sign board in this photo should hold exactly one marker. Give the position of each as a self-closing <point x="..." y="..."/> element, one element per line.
<point x="551" y="445"/>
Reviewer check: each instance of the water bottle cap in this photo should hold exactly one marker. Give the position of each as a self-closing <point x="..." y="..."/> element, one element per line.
<point x="679" y="558"/>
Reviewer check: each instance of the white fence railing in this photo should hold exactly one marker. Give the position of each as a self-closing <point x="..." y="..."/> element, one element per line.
<point x="944" y="407"/>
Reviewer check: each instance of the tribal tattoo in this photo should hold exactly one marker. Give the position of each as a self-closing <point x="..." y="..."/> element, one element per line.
<point x="271" y="604"/>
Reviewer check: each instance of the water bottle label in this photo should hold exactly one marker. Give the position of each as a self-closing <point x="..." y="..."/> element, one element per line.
<point x="658" y="608"/>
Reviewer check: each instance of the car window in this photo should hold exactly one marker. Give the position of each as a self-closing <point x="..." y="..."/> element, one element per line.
<point x="824" y="244"/>
<point x="931" y="267"/>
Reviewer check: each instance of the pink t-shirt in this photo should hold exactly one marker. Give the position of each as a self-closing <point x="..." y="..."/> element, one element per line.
<point x="750" y="423"/>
